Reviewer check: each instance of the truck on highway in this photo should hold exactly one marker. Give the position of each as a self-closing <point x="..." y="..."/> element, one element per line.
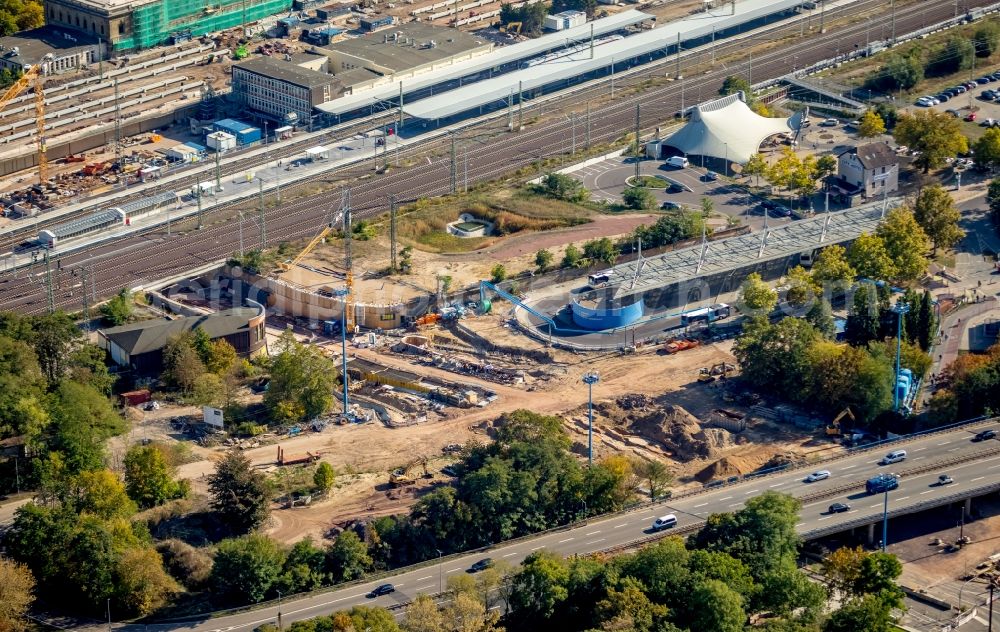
<point x="881" y="483"/>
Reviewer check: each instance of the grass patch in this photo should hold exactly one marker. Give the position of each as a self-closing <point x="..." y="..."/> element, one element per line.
<point x="424" y="223"/>
<point x="648" y="182"/>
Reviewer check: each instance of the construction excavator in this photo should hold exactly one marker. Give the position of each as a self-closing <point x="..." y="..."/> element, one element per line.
<point x="34" y="76"/>
<point x="400" y="477"/>
<point x="722" y="370"/>
<point x="512" y="28"/>
<point x="834" y="428"/>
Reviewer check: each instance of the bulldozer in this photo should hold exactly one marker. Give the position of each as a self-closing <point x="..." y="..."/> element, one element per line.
<point x="834" y="429"/>
<point x="400" y="477"/>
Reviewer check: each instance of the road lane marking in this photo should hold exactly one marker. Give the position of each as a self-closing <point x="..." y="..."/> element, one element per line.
<point x="992" y="467"/>
<point x="929" y="491"/>
<point x="752" y="491"/>
<point x="424" y="587"/>
<point x="776" y="485"/>
<point x="420" y="579"/>
<point x="593" y="532"/>
<point x="726" y="498"/>
<point x="902" y="499"/>
<point x="704" y="504"/>
<point x="537" y="547"/>
<point x="919" y="449"/>
<point x="944" y="443"/>
<point x="917" y="458"/>
<point x="510" y="554"/>
<point x="454" y="570"/>
<point x="978" y="478"/>
<point x="800" y="524"/>
<point x="351" y="597"/>
<point x="824" y="518"/>
<point x="953" y="449"/>
<point x="875" y="505"/>
<point x="618" y="526"/>
<point x="847" y="467"/>
<point x="596" y="541"/>
<point x="566" y="540"/>
<point x="735" y="504"/>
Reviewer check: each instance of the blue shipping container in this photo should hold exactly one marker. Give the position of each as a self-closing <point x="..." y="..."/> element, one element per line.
<point x="230" y="126"/>
<point x="248" y="136"/>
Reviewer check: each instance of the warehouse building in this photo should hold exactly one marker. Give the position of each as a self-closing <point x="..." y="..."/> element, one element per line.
<point x="137" y="24"/>
<point x="139" y="346"/>
<point x="70" y="49"/>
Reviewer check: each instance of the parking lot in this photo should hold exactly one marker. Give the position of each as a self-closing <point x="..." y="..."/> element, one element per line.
<point x="606" y="181"/>
<point x="970" y="105"/>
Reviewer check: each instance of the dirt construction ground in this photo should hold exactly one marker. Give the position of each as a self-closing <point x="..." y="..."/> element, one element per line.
<point x="363" y="455"/>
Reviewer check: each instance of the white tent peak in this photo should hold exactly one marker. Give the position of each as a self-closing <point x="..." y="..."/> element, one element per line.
<point x="727" y="128"/>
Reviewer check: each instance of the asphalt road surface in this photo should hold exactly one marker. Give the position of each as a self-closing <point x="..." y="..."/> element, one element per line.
<point x="621" y="529"/>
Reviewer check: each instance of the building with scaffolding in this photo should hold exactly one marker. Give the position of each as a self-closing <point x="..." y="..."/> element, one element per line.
<point x="625" y="294"/>
<point x="137" y="24"/>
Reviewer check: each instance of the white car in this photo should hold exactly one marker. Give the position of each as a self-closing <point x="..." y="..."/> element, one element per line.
<point x="924" y="102"/>
<point x="818" y="476"/>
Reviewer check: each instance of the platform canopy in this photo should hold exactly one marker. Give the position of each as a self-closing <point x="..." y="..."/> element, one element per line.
<point x="728" y="129"/>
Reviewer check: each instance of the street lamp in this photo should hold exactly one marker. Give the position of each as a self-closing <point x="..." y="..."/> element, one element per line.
<point x="342" y="294"/>
<point x="590" y="379"/>
<point x="899" y="309"/>
<point x="279" y="610"/>
<point x="885" y="520"/>
<point x="440" y="572"/>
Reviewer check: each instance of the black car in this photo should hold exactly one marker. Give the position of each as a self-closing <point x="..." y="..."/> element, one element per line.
<point x="943" y="97"/>
<point x="481" y="565"/>
<point x="670" y="206"/>
<point x="985" y="435"/>
<point x="983" y="80"/>
<point x="839" y="508"/>
<point x="780" y="211"/>
<point x="384" y="589"/>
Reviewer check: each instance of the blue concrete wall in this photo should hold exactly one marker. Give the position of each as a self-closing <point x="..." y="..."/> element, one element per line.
<point x="600" y="318"/>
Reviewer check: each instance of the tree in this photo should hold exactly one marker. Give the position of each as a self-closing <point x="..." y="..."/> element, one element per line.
<point x="324" y="477"/>
<point x="55" y="336"/>
<point x="755" y="166"/>
<point x="141" y="585"/>
<point x="717" y="607"/>
<point x="538" y="589"/>
<point x="877" y="575"/>
<point x="775" y="357"/>
<point x="246" y="568"/>
<point x="221" y="357"/>
<point x="900" y="72"/>
<point x="871" y="125"/>
<point x="564" y="187"/>
<point x="423" y="615"/>
<point x="17" y="586"/>
<point x="182" y="366"/>
<point x="119" y="309"/>
<point x="82" y="419"/>
<point x="927" y="322"/>
<point x="906" y="243"/>
<point x="572" y="258"/>
<point x="601" y="250"/>
<point x="638" y="198"/>
<point x="986" y="39"/>
<point x="406" y="259"/>
<point x="302" y="381"/>
<point x="707" y="206"/>
<point x="820" y="315"/>
<point x="498" y="273"/>
<point x="656" y="474"/>
<point x="934" y="134"/>
<point x="986" y="150"/>
<point x="832" y="268"/>
<point x="733" y="84"/>
<point x="20" y="15"/>
<point x="802" y="289"/>
<point x="957" y="54"/>
<point x="304" y="567"/>
<point x="239" y="493"/>
<point x="862" y="322"/>
<point x="757" y="296"/>
<point x="543" y="260"/>
<point x="668" y="229"/>
<point x="826" y="165"/>
<point x="870" y="259"/>
<point x="366" y="619"/>
<point x="347" y="558"/>
<point x="445" y="282"/>
<point x="937" y="215"/>
<point x="629" y="605"/>
<point x="842" y="568"/>
<point x="148" y="479"/>
<point x="993" y="200"/>
<point x="868" y="613"/>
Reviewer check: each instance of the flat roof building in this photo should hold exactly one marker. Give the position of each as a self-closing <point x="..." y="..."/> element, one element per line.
<point x="70" y="49"/>
<point x="275" y="87"/>
<point x="137" y="24"/>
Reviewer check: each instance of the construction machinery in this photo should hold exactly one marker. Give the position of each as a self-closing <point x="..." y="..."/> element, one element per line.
<point x="400" y="477"/>
<point x="834" y="428"/>
<point x="512" y="28"/>
<point x="680" y="344"/>
<point x="295" y="459"/>
<point x="317" y="240"/>
<point x="34" y="76"/>
<point x="721" y="371"/>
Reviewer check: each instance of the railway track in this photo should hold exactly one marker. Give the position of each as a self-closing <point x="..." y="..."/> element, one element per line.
<point x="151" y="254"/>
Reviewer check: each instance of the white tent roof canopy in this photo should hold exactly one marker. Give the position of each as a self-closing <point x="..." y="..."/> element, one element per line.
<point x="319" y="150"/>
<point x="728" y="129"/>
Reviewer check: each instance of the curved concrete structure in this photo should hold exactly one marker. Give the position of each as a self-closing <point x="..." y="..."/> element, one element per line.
<point x="596" y="313"/>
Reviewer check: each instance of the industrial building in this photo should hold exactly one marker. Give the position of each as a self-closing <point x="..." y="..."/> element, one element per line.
<point x="136" y="24"/>
<point x="139" y="346"/>
<point x="275" y="87"/>
<point x="70" y="50"/>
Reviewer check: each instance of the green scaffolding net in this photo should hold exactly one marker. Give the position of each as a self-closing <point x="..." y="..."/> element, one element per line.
<point x="155" y="23"/>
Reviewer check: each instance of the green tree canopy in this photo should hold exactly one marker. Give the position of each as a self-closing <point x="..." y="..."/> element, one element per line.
<point x="986" y="150"/>
<point x="870" y="258"/>
<point x="871" y="125"/>
<point x="347" y="558"/>
<point x="906" y="243"/>
<point x="246" y="568"/>
<point x="986" y="38"/>
<point x="831" y="267"/>
<point x="564" y="187"/>
<point x="756" y="296"/>
<point x="302" y="381"/>
<point x="119" y="309"/>
<point x="239" y="493"/>
<point x="639" y="198"/>
<point x="937" y="215"/>
<point x="934" y="134"/>
<point x="149" y="480"/>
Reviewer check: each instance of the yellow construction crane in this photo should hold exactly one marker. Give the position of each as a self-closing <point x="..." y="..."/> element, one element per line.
<point x="317" y="240"/>
<point x="34" y="75"/>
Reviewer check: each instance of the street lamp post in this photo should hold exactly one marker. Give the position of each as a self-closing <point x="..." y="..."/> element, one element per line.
<point x="440" y="573"/>
<point x="590" y="379"/>
<point x="279" y="610"/>
<point x="900" y="309"/>
<point x="885" y="521"/>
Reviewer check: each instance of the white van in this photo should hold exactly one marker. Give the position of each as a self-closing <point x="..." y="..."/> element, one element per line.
<point x="664" y="522"/>
<point x="677" y="161"/>
<point x="893" y="457"/>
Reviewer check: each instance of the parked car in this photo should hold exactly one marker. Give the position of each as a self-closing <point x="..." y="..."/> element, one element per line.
<point x="384" y="589"/>
<point x="944" y="479"/>
<point x="943" y="97"/>
<point x="985" y="435"/>
<point x="670" y="206"/>
<point x="952" y="111"/>
<point x="923" y="102"/>
<point x="780" y="211"/>
<point x="987" y="122"/>
<point x="830" y="122"/>
<point x="971" y="116"/>
<point x="818" y="476"/>
<point x="970" y="85"/>
<point x="983" y="80"/>
<point x="839" y="508"/>
<point x="711" y="176"/>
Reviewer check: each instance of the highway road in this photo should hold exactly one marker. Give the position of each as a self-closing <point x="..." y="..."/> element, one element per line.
<point x="971" y="464"/>
<point x="153" y="254"/>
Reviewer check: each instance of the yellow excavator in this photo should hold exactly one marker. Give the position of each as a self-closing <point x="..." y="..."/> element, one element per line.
<point x="834" y="428"/>
<point x="722" y="370"/>
<point x="33" y="76"/>
<point x="400" y="477"/>
<point x="512" y="28"/>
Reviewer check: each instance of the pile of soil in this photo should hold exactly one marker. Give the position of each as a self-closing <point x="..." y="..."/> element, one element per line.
<point x="669" y="425"/>
<point x="741" y="465"/>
